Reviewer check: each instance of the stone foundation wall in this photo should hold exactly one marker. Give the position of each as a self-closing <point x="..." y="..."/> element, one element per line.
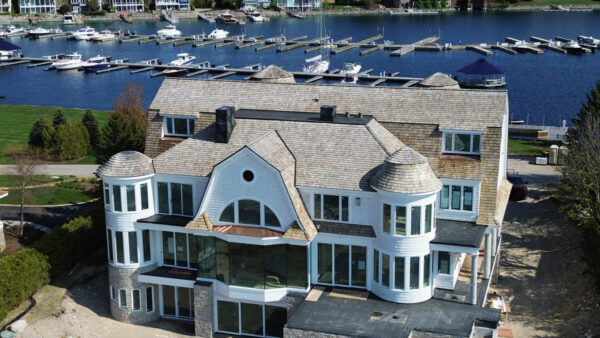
<point x="294" y="299"/>
<point x="297" y="333"/>
<point x="127" y="279"/>
<point x="203" y="309"/>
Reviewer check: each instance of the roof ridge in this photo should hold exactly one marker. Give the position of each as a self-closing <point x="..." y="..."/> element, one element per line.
<point x="380" y="142"/>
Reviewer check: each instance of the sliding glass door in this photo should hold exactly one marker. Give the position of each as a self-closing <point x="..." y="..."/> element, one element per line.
<point x="177" y="302"/>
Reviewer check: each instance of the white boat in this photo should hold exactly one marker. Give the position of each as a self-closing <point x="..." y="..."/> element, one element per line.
<point x="350" y="68"/>
<point x="84" y="34"/>
<point x="226" y="18"/>
<point x="573" y="47"/>
<point x="589" y="40"/>
<point x="169" y="32"/>
<point x="182" y="60"/>
<point x="316" y="65"/>
<point x="104" y="35"/>
<point x="68" y="19"/>
<point x="12" y="31"/>
<point x="256" y="16"/>
<point x="96" y="63"/>
<point x="36" y="33"/>
<point x="350" y="80"/>
<point x="218" y="34"/>
<point x="68" y="61"/>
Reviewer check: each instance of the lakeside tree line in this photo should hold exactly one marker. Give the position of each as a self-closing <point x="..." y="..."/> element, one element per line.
<point x="63" y="140"/>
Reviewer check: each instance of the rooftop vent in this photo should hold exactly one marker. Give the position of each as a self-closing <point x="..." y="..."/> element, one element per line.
<point x="225" y="123"/>
<point x="327" y="113"/>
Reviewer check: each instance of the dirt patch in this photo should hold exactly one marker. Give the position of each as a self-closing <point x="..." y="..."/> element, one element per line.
<point x="542" y="265"/>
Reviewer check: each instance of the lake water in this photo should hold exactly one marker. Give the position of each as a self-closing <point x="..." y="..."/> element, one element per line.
<point x="542" y="88"/>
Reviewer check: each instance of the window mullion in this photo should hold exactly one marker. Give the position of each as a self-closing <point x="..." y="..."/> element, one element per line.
<point x="350" y="265"/>
<point x="333" y="264"/>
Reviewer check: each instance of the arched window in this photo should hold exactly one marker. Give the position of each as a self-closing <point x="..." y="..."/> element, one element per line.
<point x="250" y="212"/>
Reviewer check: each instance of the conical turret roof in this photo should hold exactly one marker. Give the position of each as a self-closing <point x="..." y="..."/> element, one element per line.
<point x="127" y="164"/>
<point x="406" y="171"/>
<point x="273" y="74"/>
<point x="439" y="80"/>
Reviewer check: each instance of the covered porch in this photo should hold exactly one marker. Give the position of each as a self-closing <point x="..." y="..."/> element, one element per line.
<point x="465" y="257"/>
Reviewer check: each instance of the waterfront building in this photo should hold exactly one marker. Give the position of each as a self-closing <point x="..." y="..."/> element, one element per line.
<point x="254" y="4"/>
<point x="37" y="6"/>
<point x="78" y="6"/>
<point x="299" y="4"/>
<point x="269" y="208"/>
<point x="168" y="5"/>
<point x="5" y="6"/>
<point x="127" y="5"/>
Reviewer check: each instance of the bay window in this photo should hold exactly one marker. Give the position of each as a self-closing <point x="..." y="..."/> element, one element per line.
<point x="331" y="207"/>
<point x="117" y="198"/>
<point x="176" y="126"/>
<point x="461" y="142"/>
<point x="407" y="220"/>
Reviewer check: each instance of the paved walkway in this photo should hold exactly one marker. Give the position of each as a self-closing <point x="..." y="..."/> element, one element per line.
<point x="56" y="169"/>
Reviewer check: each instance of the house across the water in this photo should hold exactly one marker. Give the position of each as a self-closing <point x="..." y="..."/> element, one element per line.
<point x="283" y="209"/>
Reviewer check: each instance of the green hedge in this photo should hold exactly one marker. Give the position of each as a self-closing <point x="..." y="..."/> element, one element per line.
<point x="21" y="274"/>
<point x="69" y="243"/>
<point x="24" y="271"/>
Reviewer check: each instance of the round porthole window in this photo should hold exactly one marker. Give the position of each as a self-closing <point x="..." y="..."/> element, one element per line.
<point x="248" y="176"/>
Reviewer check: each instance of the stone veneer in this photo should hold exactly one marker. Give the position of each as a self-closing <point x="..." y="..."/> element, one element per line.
<point x="203" y="309"/>
<point x="293" y="300"/>
<point x="124" y="278"/>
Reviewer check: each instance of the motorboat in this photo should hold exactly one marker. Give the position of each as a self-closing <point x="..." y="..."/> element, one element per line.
<point x="350" y="68"/>
<point x="589" y="40"/>
<point x="256" y="16"/>
<point x="96" y="63"/>
<point x="521" y="46"/>
<point x="169" y="32"/>
<point x="316" y="65"/>
<point x="69" y="61"/>
<point x="36" y="33"/>
<point x="182" y="60"/>
<point x="226" y="18"/>
<point x="68" y="19"/>
<point x="84" y="34"/>
<point x="104" y="35"/>
<point x="12" y="31"/>
<point x="573" y="47"/>
<point x="218" y="34"/>
<point x="350" y="80"/>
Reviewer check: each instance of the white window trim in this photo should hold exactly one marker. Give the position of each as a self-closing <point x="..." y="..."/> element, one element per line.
<point x="170" y="199"/>
<point x="120" y="298"/>
<point x="172" y="118"/>
<point x="151" y="288"/>
<point x="239" y="304"/>
<point x="333" y="283"/>
<point x="322" y="218"/>
<point x="113" y="292"/>
<point x="408" y="222"/>
<point x="475" y="201"/>
<point x="187" y="243"/>
<point x="454" y="132"/>
<point x="236" y="214"/>
<point x="133" y="300"/>
<point x="407" y="272"/>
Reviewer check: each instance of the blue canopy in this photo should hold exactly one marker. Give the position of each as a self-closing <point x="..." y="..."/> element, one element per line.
<point x="481" y="67"/>
<point x="5" y="45"/>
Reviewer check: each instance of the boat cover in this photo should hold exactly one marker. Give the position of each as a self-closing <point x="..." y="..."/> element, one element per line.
<point x="481" y="67"/>
<point x="5" y="45"/>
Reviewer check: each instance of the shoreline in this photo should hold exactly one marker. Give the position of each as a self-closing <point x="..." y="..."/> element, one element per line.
<point x="193" y="14"/>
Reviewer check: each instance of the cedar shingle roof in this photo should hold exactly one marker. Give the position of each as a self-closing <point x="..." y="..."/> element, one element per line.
<point x="439" y="80"/>
<point x="127" y="164"/>
<point x="202" y="222"/>
<point x="449" y="108"/>
<point x="338" y="156"/>
<point x="408" y="172"/>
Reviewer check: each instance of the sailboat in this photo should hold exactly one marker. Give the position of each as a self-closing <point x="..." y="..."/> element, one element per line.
<point x="317" y="64"/>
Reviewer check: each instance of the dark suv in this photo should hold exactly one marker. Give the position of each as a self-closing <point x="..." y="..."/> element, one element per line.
<point x="519" y="188"/>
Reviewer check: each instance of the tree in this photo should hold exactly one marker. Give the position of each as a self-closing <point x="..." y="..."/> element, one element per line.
<point x="71" y="141"/>
<point x="580" y="184"/>
<point x="130" y="101"/>
<point x="64" y="8"/>
<point x="59" y="119"/>
<point x="91" y="124"/>
<point x="35" y="135"/>
<point x="93" y="6"/>
<point x="26" y="162"/>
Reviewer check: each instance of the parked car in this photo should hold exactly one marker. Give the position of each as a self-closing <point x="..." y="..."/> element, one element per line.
<point x="519" y="189"/>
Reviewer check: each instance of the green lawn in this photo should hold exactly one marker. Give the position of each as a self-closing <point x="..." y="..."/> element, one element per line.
<point x="11" y="180"/>
<point x="555" y="2"/>
<point x="16" y="122"/>
<point x="528" y="147"/>
<point x="49" y="196"/>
